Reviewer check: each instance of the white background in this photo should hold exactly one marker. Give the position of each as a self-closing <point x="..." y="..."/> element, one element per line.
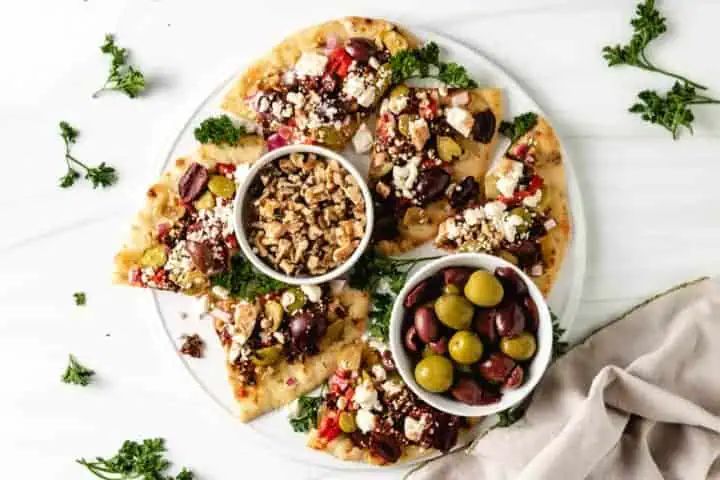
<point x="652" y="204"/>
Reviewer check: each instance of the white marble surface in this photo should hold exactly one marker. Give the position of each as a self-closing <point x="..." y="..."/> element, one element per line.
<point x="651" y="204"/>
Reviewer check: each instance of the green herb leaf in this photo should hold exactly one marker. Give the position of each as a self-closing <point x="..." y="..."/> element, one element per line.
<point x="103" y="175"/>
<point x="417" y="63"/>
<point x="77" y="374"/>
<point x="80" y="298"/>
<point x="122" y="77"/>
<point x="243" y="281"/>
<point x="135" y="460"/>
<point x="307" y="413"/>
<point x="519" y="126"/>
<point x="220" y="131"/>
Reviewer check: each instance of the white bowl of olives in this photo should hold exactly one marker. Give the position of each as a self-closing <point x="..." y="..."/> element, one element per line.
<point x="471" y="334"/>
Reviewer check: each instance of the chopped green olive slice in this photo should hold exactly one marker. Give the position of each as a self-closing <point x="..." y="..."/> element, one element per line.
<point x="154" y="256"/>
<point x="205" y="202"/>
<point x="267" y="355"/>
<point x="297" y="299"/>
<point x="274" y="312"/>
<point x="346" y="421"/>
<point x="222" y="186"/>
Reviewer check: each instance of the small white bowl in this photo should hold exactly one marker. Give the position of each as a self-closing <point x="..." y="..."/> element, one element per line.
<point x="239" y="207"/>
<point x="445" y="403"/>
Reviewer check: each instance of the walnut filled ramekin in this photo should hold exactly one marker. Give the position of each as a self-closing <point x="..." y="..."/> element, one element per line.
<point x="303" y="215"/>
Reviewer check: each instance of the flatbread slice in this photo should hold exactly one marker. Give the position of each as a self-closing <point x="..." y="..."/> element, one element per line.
<point x="319" y="84"/>
<point x="432" y="151"/>
<point x="268" y="366"/>
<point x="397" y="427"/>
<point x="184" y="232"/>
<point x="524" y="214"/>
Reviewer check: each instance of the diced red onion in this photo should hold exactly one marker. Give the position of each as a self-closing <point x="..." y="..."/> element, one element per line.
<point x="285" y="132"/>
<point x="276" y="141"/>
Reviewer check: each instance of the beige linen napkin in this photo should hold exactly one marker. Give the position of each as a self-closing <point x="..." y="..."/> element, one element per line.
<point x="639" y="399"/>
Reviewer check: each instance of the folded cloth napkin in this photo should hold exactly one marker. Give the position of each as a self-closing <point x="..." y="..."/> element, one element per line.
<point x="639" y="399"/>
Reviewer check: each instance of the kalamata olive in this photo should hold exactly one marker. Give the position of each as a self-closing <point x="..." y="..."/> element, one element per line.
<point x="527" y="253"/>
<point x="387" y="361"/>
<point x="516" y="377"/>
<point x="412" y="341"/>
<point x="385" y="228"/>
<point x="300" y="326"/>
<point x="384" y="447"/>
<point x="360" y="48"/>
<point x="496" y="368"/>
<point x="445" y="436"/>
<point x="509" y="320"/>
<point x="199" y="253"/>
<point x="484" y="324"/>
<point x="439" y="346"/>
<point x="193" y="182"/>
<point x="431" y="184"/>
<point x="469" y="391"/>
<point x="456" y="276"/>
<point x="421" y="293"/>
<point x="427" y="326"/>
<point x="484" y="126"/>
<point x="531" y="311"/>
<point x="465" y="192"/>
<point x="320" y="325"/>
<point x="511" y="281"/>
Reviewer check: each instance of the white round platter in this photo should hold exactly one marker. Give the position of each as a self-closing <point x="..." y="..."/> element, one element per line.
<point x="209" y="372"/>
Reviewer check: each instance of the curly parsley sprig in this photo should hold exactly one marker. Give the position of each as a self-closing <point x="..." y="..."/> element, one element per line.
<point x="103" y="175"/>
<point x="122" y="77"/>
<point x="220" y="131"/>
<point x="242" y="280"/>
<point x="76" y="373"/>
<point x="519" y="126"/>
<point x="135" y="460"/>
<point x="425" y="62"/>
<point x="672" y="110"/>
<point x="306" y="417"/>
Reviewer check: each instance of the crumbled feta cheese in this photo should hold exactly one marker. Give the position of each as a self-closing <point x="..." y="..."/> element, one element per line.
<point x="293" y="408"/>
<point x="419" y="132"/>
<point x="354" y="86"/>
<point x="202" y="305"/>
<point x="287" y="299"/>
<point x="373" y="62"/>
<point x="311" y="64"/>
<point x="312" y="292"/>
<point x="450" y="229"/>
<point x="397" y="104"/>
<point x="507" y="182"/>
<point x="533" y="200"/>
<point x="366" y="396"/>
<point x="179" y="260"/>
<point x="549" y="224"/>
<point x="367" y="97"/>
<point x="365" y="420"/>
<point x="296" y="98"/>
<point x="379" y="372"/>
<point x="510" y="227"/>
<point x="279" y="336"/>
<point x="239" y="339"/>
<point x="341" y="403"/>
<point x="392" y="387"/>
<point x="220" y="292"/>
<point x="277" y="107"/>
<point x="234" y="352"/>
<point x="494" y="210"/>
<point x="414" y="428"/>
<point x="375" y="344"/>
<point x="288" y="77"/>
<point x="460" y="119"/>
<point x="404" y="177"/>
<point x="474" y="216"/>
<point x="263" y="104"/>
<point x="363" y="139"/>
<point x="536" y="270"/>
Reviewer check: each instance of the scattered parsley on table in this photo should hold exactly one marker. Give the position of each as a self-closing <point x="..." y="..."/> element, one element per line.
<point x="136" y="460"/>
<point x="103" y="175"/>
<point x="122" y="77"/>
<point x="671" y="110"/>
<point x="220" y="131"/>
<point x="80" y="298"/>
<point x="424" y="62"/>
<point x="76" y="373"/>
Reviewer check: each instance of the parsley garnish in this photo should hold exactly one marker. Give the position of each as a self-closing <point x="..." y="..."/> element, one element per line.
<point x="243" y="281"/>
<point x="519" y="126"/>
<point x="307" y="413"/>
<point x="671" y="111"/>
<point x="122" y="77"/>
<point x="80" y="298"/>
<point x="425" y="62"/>
<point x="77" y="374"/>
<point x="102" y="175"/>
<point x="135" y="460"/>
<point x="219" y="130"/>
<point x="379" y="324"/>
<point x="559" y="347"/>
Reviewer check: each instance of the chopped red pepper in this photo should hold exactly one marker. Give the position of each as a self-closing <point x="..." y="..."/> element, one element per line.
<point x="339" y="382"/>
<point x="225" y="168"/>
<point x="159" y="277"/>
<point x="429" y="111"/>
<point x="339" y="62"/>
<point x="536" y="183"/>
<point x="329" y="428"/>
<point x="232" y="241"/>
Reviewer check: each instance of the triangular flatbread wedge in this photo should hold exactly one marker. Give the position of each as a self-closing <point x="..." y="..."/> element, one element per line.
<point x="432" y="151"/>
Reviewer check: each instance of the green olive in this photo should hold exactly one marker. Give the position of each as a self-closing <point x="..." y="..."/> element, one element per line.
<point x="483" y="289"/>
<point x="465" y="348"/>
<point x="222" y="186"/>
<point x="523" y="213"/>
<point x="520" y="348"/>
<point x="394" y="41"/>
<point x="451" y="289"/>
<point x="399" y="91"/>
<point x="274" y="312"/>
<point x="434" y="373"/>
<point x="404" y="124"/>
<point x="267" y="355"/>
<point x="192" y="282"/>
<point x="205" y="202"/>
<point x="346" y="422"/>
<point x="331" y="137"/>
<point x="299" y="300"/>
<point x="154" y="256"/>
<point x="454" y="311"/>
<point x="491" y="190"/>
<point x="448" y="149"/>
